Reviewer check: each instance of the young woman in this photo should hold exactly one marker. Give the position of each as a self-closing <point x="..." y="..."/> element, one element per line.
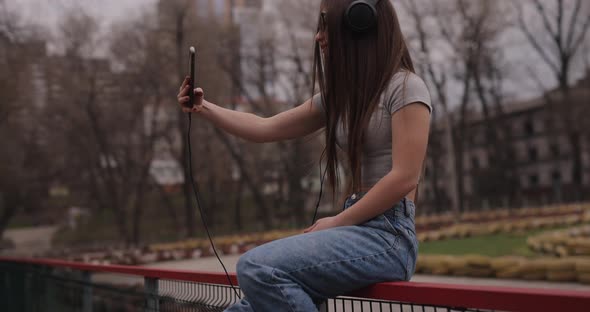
<point x="375" y="109"/>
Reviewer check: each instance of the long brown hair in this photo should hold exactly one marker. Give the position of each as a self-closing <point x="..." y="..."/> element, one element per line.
<point x="355" y="71"/>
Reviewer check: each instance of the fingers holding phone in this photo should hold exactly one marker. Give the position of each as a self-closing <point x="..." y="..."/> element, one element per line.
<point x="184" y="98"/>
<point x="190" y="97"/>
<point x="199" y="95"/>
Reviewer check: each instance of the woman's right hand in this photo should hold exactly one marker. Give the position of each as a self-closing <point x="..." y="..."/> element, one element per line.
<point x="183" y="97"/>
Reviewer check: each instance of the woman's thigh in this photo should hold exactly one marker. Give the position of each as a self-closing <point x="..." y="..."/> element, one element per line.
<point x="335" y="261"/>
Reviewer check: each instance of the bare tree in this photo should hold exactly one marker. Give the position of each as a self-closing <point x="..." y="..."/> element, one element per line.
<point x="438" y="77"/>
<point x="276" y="64"/>
<point x="22" y="175"/>
<point x="174" y="18"/>
<point x="299" y="21"/>
<point x="459" y="51"/>
<point x="446" y="36"/>
<point x="484" y="24"/>
<point x="138" y="51"/>
<point x="178" y="29"/>
<point x="563" y="32"/>
<point x="11" y="58"/>
<point x="99" y="120"/>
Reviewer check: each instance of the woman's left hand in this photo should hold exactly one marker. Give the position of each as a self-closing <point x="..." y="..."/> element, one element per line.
<point x="323" y="224"/>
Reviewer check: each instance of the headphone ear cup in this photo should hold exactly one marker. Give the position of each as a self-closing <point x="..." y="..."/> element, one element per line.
<point x="361" y="16"/>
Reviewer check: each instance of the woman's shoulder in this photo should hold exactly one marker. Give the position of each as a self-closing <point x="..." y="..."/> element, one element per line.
<point x="406" y="87"/>
<point x="405" y="78"/>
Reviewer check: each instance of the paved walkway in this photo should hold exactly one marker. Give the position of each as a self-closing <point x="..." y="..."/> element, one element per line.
<point x="29" y="241"/>
<point x="211" y="264"/>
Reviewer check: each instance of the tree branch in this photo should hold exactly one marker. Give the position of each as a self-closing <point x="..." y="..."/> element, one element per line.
<point x="554" y="34"/>
<point x="534" y="42"/>
<point x="571" y="29"/>
<point x="559" y="34"/>
<point x="577" y="42"/>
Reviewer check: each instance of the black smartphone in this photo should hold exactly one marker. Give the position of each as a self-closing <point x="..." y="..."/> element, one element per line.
<point x="191" y="83"/>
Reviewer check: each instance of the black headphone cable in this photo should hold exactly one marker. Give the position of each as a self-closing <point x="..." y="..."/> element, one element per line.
<point x="194" y="185"/>
<point x="322" y="177"/>
<point x="203" y="217"/>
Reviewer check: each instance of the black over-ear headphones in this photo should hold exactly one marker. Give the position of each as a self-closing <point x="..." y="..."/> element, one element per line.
<point x="361" y="15"/>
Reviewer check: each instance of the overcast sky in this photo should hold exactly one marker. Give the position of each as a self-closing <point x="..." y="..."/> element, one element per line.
<point x="47" y="12"/>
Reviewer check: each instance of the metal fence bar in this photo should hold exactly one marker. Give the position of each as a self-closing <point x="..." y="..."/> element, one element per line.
<point x="87" y="295"/>
<point x="49" y="289"/>
<point x="151" y="289"/>
<point x="27" y="284"/>
<point x="34" y="285"/>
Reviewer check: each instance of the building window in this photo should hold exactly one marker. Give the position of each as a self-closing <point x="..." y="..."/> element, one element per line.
<point x="533" y="180"/>
<point x="474" y="162"/>
<point x="554" y="149"/>
<point x="556" y="176"/>
<point x="549" y="124"/>
<point x="533" y="155"/>
<point x="475" y="137"/>
<point x="512" y="154"/>
<point x="529" y="128"/>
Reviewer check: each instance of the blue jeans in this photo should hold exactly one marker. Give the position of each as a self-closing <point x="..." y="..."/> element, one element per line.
<point x="299" y="272"/>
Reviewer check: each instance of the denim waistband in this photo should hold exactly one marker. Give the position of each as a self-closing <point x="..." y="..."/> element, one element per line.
<point x="405" y="206"/>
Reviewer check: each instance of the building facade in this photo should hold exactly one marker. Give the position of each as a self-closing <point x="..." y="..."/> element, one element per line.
<point x="538" y="159"/>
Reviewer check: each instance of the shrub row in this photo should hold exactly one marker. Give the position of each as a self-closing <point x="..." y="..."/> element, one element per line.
<point x="436" y="220"/>
<point x="187" y="249"/>
<point x="563" y="243"/>
<point x="506" y="221"/>
<point x="506" y="226"/>
<point x="510" y="267"/>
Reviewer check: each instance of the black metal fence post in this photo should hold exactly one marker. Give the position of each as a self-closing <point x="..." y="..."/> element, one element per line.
<point x="151" y="290"/>
<point x="87" y="292"/>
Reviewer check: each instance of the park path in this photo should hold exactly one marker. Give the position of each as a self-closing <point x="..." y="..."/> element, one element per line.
<point x="211" y="264"/>
<point x="29" y="241"/>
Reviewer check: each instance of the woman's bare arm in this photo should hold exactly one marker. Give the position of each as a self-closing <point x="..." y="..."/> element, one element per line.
<point x="293" y="123"/>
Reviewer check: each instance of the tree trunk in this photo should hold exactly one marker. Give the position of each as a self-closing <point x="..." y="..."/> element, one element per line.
<point x="238" y="206"/>
<point x="9" y="206"/>
<point x="263" y="211"/>
<point x="138" y="207"/>
<point x="170" y="207"/>
<point x="577" y="170"/>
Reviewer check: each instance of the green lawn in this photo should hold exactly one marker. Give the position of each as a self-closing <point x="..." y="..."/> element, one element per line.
<point x="493" y="245"/>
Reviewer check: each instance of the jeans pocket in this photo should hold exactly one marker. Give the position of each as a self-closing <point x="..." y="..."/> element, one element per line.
<point x="391" y="237"/>
<point x="384" y="229"/>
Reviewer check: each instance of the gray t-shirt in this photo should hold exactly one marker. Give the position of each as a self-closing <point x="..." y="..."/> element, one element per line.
<point x="404" y="88"/>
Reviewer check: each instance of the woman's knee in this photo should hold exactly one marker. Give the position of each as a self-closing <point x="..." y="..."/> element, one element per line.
<point x="251" y="271"/>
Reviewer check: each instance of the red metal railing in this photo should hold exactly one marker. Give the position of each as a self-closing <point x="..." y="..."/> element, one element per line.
<point x="413" y="293"/>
